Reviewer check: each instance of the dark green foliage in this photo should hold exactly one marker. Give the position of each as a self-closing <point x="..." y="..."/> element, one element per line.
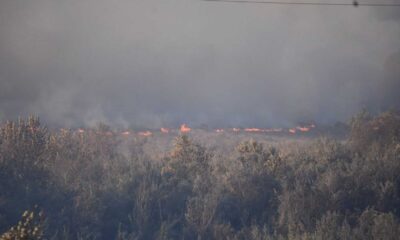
<point x="97" y="185"/>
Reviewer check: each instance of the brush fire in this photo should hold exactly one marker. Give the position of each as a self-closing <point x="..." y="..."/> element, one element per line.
<point x="184" y="129"/>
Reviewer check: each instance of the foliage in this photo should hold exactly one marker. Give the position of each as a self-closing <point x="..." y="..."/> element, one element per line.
<point x="98" y="185"/>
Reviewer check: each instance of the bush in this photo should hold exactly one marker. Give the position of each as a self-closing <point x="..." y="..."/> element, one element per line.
<point x="98" y="185"/>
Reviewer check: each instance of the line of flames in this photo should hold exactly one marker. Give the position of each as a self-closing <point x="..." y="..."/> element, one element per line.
<point x="185" y="129"/>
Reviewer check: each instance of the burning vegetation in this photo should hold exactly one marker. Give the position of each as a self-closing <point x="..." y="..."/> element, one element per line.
<point x="184" y="128"/>
<point x="251" y="184"/>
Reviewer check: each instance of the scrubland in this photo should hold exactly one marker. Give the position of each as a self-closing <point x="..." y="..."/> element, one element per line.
<point x="93" y="185"/>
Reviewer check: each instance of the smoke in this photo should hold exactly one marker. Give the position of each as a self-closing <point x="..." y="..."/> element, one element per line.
<point x="163" y="62"/>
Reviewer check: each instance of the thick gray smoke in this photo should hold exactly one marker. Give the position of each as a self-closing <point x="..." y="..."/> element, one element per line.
<point x="154" y="63"/>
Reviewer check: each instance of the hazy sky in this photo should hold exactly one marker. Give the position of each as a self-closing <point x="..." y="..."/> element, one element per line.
<point x="155" y="63"/>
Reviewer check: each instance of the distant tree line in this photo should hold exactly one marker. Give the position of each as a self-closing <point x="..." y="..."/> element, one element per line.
<point x="67" y="185"/>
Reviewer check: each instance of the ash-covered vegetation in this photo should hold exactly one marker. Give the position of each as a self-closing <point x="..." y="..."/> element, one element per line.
<point x="91" y="185"/>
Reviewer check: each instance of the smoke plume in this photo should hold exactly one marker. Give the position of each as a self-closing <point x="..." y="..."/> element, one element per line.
<point x="159" y="63"/>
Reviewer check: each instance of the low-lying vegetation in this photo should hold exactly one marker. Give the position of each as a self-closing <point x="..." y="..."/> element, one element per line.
<point x="96" y="186"/>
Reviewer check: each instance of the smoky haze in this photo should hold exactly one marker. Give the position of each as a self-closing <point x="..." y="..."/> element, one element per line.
<point x="153" y="63"/>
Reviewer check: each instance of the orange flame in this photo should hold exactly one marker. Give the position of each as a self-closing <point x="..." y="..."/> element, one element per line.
<point x="126" y="133"/>
<point x="185" y="128"/>
<point x="253" y="130"/>
<point x="292" y="130"/>
<point x="145" y="134"/>
<point x="164" y="130"/>
<point x="303" y="129"/>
